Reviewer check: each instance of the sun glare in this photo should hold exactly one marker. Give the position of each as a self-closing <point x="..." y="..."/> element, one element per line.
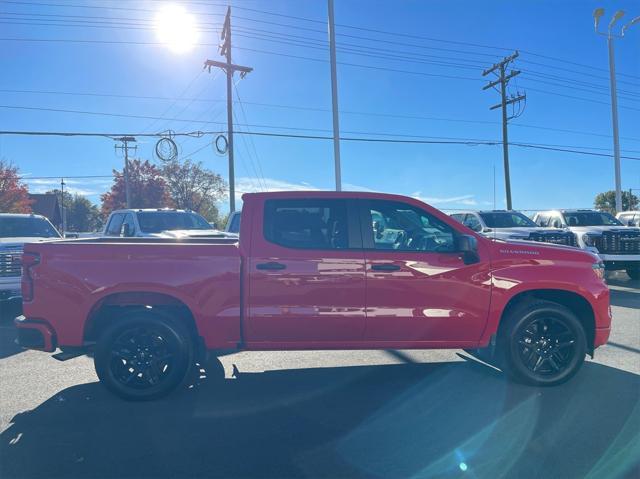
<point x="176" y="28"/>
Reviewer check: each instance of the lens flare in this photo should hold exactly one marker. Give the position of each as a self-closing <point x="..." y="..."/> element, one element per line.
<point x="176" y="28"/>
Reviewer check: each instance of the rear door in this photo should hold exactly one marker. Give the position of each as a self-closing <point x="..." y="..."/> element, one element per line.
<point x="419" y="288"/>
<point x="306" y="273"/>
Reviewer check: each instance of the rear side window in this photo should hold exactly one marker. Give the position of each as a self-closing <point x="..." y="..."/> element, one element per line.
<point x="306" y="223"/>
<point x="472" y="222"/>
<point x="115" y="224"/>
<point x="542" y="220"/>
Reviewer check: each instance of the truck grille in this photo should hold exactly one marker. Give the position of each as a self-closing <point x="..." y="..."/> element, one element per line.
<point x="10" y="262"/>
<point x="568" y="239"/>
<point x="618" y="242"/>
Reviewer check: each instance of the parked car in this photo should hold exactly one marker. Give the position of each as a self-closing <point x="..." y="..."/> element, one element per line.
<point x="159" y="223"/>
<point x="233" y="222"/>
<point x="629" y="218"/>
<point x="597" y="231"/>
<point x="310" y="271"/>
<point x="513" y="225"/>
<point x="15" y="231"/>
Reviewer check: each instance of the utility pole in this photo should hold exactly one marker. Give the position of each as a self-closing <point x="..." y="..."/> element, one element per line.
<point x="334" y="98"/>
<point x="229" y="68"/>
<point x="506" y="100"/>
<point x="597" y="14"/>
<point x="125" y="148"/>
<point x="64" y="225"/>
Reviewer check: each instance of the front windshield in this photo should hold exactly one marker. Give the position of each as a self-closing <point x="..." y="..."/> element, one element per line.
<point x="159" y="221"/>
<point x="590" y="218"/>
<point x="507" y="219"/>
<point x="26" y="227"/>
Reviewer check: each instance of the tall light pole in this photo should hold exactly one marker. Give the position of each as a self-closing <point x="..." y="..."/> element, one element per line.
<point x="597" y="14"/>
<point x="334" y="97"/>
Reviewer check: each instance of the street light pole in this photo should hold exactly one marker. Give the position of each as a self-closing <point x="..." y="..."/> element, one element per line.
<point x="614" y="121"/>
<point x="597" y="14"/>
<point x="334" y="97"/>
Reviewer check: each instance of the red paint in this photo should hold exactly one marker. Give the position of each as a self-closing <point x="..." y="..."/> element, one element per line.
<point x="324" y="299"/>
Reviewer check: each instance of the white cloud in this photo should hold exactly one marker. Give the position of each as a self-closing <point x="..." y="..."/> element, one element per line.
<point x="88" y="187"/>
<point x="468" y="200"/>
<point x="254" y="185"/>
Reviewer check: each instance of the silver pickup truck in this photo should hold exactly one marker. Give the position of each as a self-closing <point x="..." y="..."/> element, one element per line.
<point x="617" y="245"/>
<point x="15" y="231"/>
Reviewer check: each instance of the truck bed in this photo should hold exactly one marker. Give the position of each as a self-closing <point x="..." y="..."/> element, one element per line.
<point x="76" y="278"/>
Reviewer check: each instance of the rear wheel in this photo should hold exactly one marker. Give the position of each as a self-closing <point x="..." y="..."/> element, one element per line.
<point x="143" y="356"/>
<point x="543" y="343"/>
<point x="634" y="273"/>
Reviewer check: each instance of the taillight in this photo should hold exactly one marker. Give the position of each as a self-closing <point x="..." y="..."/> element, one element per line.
<point x="29" y="260"/>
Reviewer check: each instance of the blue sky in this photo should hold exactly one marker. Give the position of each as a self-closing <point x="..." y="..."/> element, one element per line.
<point x="289" y="57"/>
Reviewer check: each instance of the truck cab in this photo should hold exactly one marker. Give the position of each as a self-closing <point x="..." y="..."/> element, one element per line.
<point x="159" y="223"/>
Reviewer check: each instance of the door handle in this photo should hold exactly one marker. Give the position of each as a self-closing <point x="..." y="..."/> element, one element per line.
<point x="272" y="265"/>
<point x="385" y="267"/>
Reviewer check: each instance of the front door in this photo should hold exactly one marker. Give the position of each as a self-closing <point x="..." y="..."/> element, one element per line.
<point x="419" y="288"/>
<point x="306" y="274"/>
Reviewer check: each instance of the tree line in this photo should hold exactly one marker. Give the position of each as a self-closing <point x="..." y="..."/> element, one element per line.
<point x="182" y="184"/>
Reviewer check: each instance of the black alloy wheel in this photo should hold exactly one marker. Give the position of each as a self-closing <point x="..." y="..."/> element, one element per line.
<point x="144" y="356"/>
<point x="542" y="343"/>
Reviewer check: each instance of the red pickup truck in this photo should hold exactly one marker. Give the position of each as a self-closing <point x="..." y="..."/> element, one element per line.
<point x="313" y="270"/>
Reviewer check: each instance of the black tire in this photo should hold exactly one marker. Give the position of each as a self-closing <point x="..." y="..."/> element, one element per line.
<point x="634" y="273"/>
<point x="542" y="343"/>
<point x="143" y="356"/>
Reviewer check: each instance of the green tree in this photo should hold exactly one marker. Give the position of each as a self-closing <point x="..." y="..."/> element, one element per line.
<point x="607" y="201"/>
<point x="80" y="213"/>
<point x="194" y="187"/>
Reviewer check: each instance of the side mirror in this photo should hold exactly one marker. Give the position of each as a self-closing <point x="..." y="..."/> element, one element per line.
<point x="214" y="226"/>
<point x="630" y="223"/>
<point x="468" y="246"/>
<point x="378" y="228"/>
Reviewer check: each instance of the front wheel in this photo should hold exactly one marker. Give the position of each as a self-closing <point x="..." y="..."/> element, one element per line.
<point x="634" y="273"/>
<point x="544" y="344"/>
<point x="143" y="356"/>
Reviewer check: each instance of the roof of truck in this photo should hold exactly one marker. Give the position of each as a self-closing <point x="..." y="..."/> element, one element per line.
<point x="21" y="215"/>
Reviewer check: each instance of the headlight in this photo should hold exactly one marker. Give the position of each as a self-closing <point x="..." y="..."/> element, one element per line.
<point x="590" y="239"/>
<point x="598" y="269"/>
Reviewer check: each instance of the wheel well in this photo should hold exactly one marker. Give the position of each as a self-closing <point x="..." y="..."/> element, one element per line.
<point x="114" y="307"/>
<point x="576" y="303"/>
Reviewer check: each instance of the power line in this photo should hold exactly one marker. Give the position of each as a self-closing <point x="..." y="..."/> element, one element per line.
<point x="464" y="142"/>
<point x="373" y="30"/>
<point x="308" y="108"/>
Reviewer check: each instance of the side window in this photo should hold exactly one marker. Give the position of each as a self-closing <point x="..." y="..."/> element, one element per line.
<point x="459" y="217"/>
<point x="115" y="224"/>
<point x="403" y="227"/>
<point x="542" y="220"/>
<point x="130" y="224"/>
<point x="471" y="221"/>
<point x="307" y="223"/>
<point x="555" y="222"/>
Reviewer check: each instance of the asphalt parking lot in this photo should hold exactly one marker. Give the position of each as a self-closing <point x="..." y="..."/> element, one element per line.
<point x="330" y="414"/>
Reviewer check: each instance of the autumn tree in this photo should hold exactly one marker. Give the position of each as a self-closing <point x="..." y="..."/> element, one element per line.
<point x="148" y="188"/>
<point x="194" y="187"/>
<point x="607" y="201"/>
<point x="80" y="213"/>
<point x="14" y="195"/>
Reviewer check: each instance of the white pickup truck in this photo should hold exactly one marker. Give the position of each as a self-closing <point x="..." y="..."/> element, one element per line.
<point x="617" y="245"/>
<point x="160" y="223"/>
<point x="15" y="231"/>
